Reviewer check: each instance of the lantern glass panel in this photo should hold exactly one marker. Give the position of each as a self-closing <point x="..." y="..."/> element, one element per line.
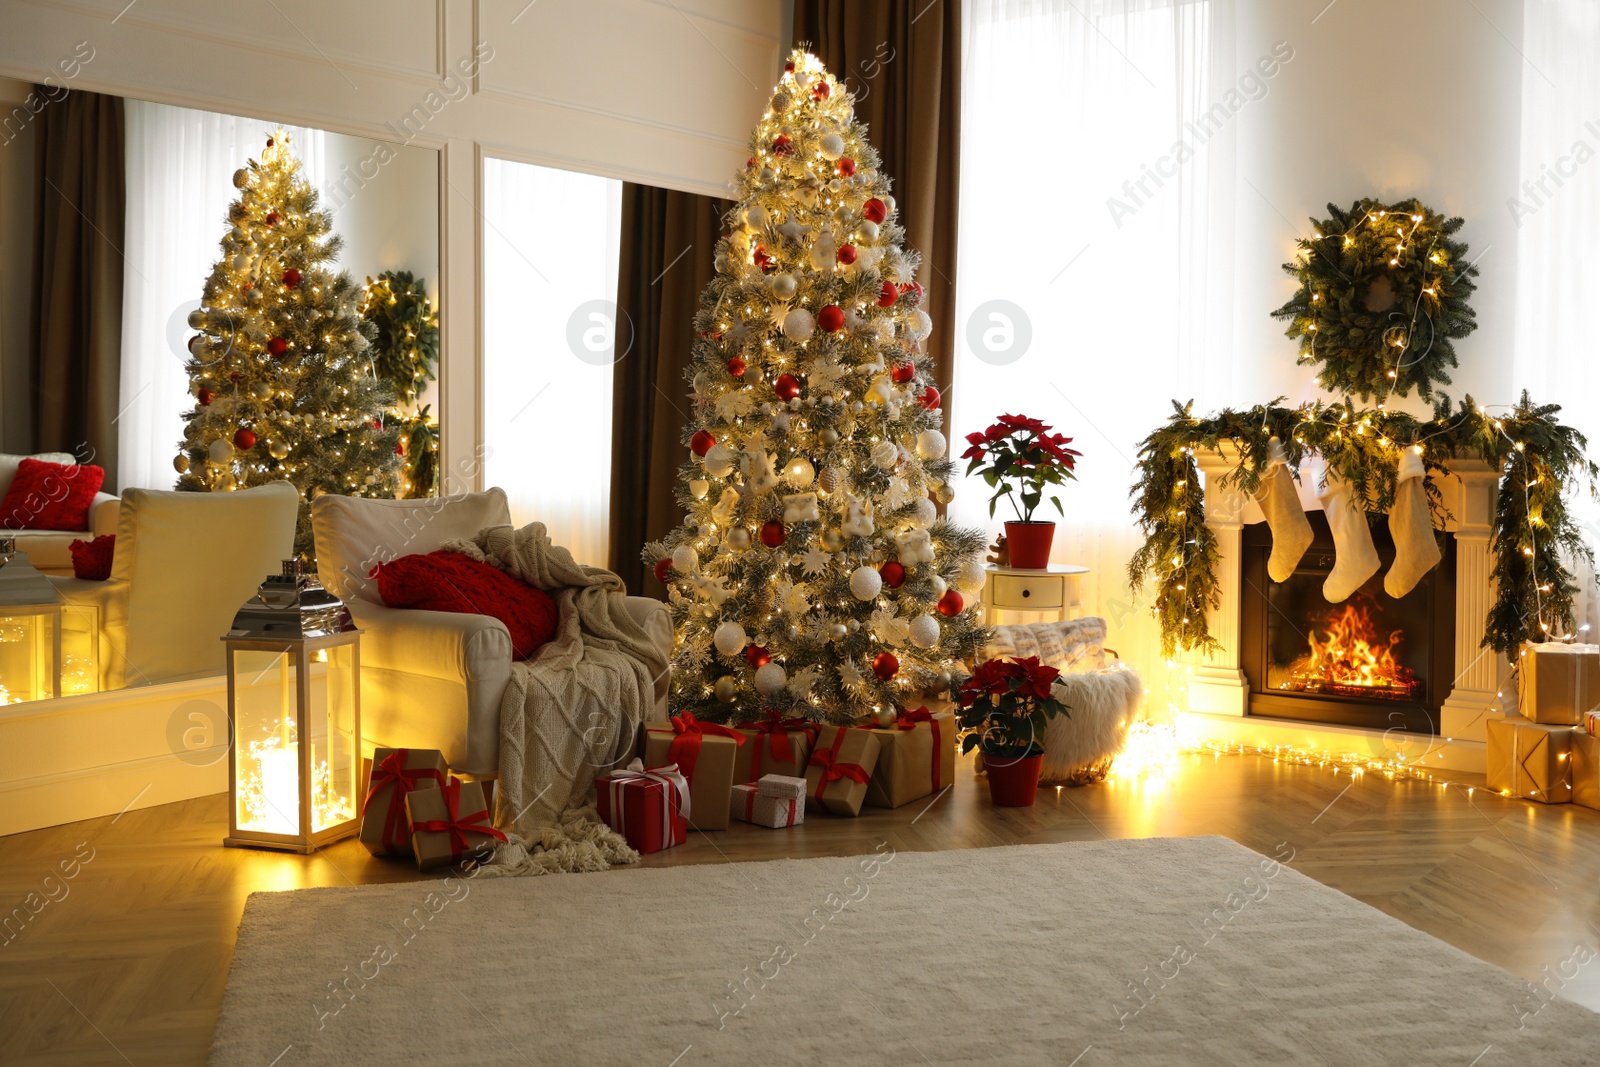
<point x="26" y="657"/>
<point x="335" y="744"/>
<point x="266" y="741"/>
<point x="80" y="650"/>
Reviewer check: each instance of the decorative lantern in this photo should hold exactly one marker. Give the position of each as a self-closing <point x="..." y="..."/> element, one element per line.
<point x="30" y="629"/>
<point x="294" y="711"/>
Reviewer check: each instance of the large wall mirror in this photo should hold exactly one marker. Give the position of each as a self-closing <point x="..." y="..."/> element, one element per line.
<point x="157" y="185"/>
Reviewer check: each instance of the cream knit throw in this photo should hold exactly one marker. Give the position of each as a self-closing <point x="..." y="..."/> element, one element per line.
<point x="570" y="712"/>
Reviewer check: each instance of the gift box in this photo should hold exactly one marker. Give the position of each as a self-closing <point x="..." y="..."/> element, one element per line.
<point x="705" y="753"/>
<point x="776" y="746"/>
<point x="648" y="807"/>
<point x="840" y="767"/>
<point x="1585" y="764"/>
<point x="916" y="757"/>
<point x="1591" y="722"/>
<point x="450" y="824"/>
<point x="1559" y="682"/>
<point x="786" y="787"/>
<point x="1529" y="759"/>
<point x="385" y="829"/>
<point x="751" y="805"/>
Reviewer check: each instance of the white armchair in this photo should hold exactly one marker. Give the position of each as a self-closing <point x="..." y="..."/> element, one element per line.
<point x="50" y="551"/>
<point x="429" y="679"/>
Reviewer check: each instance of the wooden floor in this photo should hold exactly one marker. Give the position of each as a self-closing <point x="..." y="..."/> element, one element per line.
<point x="127" y="963"/>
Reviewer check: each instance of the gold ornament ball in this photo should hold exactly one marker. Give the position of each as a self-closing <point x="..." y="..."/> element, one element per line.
<point x="726" y="688"/>
<point x="260" y="390"/>
<point x="279" y="449"/>
<point x="832" y="539"/>
<point x="738" y="538"/>
<point x="944" y="494"/>
<point x="180" y="463"/>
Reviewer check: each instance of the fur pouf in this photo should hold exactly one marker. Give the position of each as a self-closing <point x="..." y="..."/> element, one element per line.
<point x="1078" y="747"/>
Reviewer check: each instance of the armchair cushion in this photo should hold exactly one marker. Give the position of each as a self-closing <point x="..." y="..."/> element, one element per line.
<point x="355" y="534"/>
<point x="50" y="496"/>
<point x="451" y="582"/>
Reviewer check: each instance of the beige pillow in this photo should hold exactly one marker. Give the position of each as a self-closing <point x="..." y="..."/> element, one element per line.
<point x="354" y="534"/>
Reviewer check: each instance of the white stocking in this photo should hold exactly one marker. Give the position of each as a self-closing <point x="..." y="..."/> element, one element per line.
<point x="1416" y="550"/>
<point x="1280" y="503"/>
<point x="1355" y="558"/>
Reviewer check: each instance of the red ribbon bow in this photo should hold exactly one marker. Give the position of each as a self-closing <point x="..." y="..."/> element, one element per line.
<point x="392" y="769"/>
<point x="832" y="770"/>
<point x="908" y="720"/>
<point x="690" y="735"/>
<point x="456" y="825"/>
<point x="778" y="730"/>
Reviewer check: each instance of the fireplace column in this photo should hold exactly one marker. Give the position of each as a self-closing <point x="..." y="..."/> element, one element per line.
<point x="1470" y="495"/>
<point x="1218" y="685"/>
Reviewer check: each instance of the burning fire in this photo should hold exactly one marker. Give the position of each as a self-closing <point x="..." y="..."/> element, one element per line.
<point x="1352" y="657"/>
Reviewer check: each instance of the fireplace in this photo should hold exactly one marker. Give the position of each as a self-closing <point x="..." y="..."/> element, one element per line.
<point x="1371" y="661"/>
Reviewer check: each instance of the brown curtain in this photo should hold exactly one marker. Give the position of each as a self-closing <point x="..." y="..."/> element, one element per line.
<point x="76" y="328"/>
<point x="902" y="60"/>
<point x="668" y="245"/>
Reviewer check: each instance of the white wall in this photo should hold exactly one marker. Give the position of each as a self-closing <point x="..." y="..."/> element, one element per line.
<point x="1420" y="98"/>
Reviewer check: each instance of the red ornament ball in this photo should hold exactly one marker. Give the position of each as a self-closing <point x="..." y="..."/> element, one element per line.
<point x="930" y="398"/>
<point x="205" y="396"/>
<point x="272" y="218"/>
<point x="400" y="447"/>
<point x="663" y="568"/>
<point x="893" y="574"/>
<point x="757" y="655"/>
<point x="831" y="318"/>
<point x="736" y="367"/>
<point x="847" y="254"/>
<point x="773" y="534"/>
<point x="271" y="141"/>
<point x="750" y="163"/>
<point x="788" y="68"/>
<point x="903" y="373"/>
<point x="951" y="604"/>
<point x="874" y="210"/>
<point x="291" y="278"/>
<point x="783" y="145"/>
<point x="763" y="260"/>
<point x="916" y="292"/>
<point x="244" y="438"/>
<point x="277" y="346"/>
<point x="787" y="386"/>
<point x="885" y="665"/>
<point x="820" y="90"/>
<point x="376" y="424"/>
<point x="701" y="442"/>
<point x="847" y="167"/>
<point x="888" y="295"/>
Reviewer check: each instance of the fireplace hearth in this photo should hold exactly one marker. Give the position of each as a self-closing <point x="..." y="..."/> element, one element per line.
<point x="1372" y="661"/>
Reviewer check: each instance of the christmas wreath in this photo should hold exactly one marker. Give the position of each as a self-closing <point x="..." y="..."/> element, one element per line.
<point x="1383" y="293"/>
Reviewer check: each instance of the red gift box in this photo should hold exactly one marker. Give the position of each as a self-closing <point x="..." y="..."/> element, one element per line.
<point x="648" y="807"/>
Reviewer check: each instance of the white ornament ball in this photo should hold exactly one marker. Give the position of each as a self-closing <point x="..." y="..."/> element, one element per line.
<point x="837" y="632"/>
<point x="718" y="461"/>
<point x="831" y="145"/>
<point x="885" y="454"/>
<point x="241" y="178"/>
<point x="868" y="230"/>
<point x="866" y="583"/>
<point x="738" y="539"/>
<point x="939" y="586"/>
<point x="798" y="325"/>
<point x="784" y="285"/>
<point x="926" y="514"/>
<point x="221" y="451"/>
<point x="699" y="487"/>
<point x="684" y="559"/>
<point x="770" y="679"/>
<point x="722" y="264"/>
<point x="729" y="638"/>
<point x="800" y="472"/>
<point x="726" y="688"/>
<point x="919" y="325"/>
<point x="972" y="577"/>
<point x="888" y="207"/>
<point x="931" y="444"/>
<point x="756" y="217"/>
<point x="252" y="296"/>
<point x="924" y="631"/>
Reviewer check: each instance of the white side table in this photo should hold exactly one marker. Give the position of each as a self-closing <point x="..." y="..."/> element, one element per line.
<point x="1050" y="591"/>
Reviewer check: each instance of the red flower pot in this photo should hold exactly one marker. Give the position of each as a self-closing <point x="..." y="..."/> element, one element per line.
<point x="1029" y="544"/>
<point x="1013" y="783"/>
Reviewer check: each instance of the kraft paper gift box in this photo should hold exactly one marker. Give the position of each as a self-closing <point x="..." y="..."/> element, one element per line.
<point x="1591" y="721"/>
<point x="1585" y="761"/>
<point x="840" y="768"/>
<point x="385" y="829"/>
<point x="645" y="806"/>
<point x="450" y="824"/>
<point x="917" y="757"/>
<point x="1529" y="759"/>
<point x="705" y="753"/>
<point x="776" y="746"/>
<point x="1559" y="682"/>
<point x="752" y="806"/>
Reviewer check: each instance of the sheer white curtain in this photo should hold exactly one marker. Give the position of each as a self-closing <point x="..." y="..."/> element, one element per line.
<point x="1085" y="220"/>
<point x="550" y="243"/>
<point x="1557" y="209"/>
<point x="180" y="183"/>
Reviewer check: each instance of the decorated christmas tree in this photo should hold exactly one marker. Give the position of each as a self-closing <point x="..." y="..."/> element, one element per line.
<point x="813" y="575"/>
<point x="405" y="355"/>
<point x="280" y="368"/>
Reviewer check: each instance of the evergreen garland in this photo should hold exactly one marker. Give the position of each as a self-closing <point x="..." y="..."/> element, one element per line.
<point x="405" y="350"/>
<point x="1383" y="293"/>
<point x="1533" y="532"/>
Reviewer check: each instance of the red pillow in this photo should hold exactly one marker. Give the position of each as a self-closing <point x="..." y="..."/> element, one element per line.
<point x="91" y="560"/>
<point x="50" y="496"/>
<point x="449" y="581"/>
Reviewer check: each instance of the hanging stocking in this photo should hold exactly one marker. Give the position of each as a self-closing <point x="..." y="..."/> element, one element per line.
<point x="1355" y="558"/>
<point x="1280" y="503"/>
<point x="1416" y="550"/>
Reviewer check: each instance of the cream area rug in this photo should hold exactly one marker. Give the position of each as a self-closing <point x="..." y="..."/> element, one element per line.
<point x="1167" y="951"/>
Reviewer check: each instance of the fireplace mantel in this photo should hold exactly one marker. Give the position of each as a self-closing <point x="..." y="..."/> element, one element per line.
<point x="1218" y="685"/>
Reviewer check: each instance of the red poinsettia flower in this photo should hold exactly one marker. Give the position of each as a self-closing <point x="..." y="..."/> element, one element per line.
<point x="1019" y="457"/>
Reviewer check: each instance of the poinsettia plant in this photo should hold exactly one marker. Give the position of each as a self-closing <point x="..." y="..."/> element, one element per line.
<point x="1019" y="457"/>
<point x="1005" y="705"/>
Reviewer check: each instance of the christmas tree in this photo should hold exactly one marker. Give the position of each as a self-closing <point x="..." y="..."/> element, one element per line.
<point x="280" y="368"/>
<point x="812" y="575"/>
<point x="405" y="355"/>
